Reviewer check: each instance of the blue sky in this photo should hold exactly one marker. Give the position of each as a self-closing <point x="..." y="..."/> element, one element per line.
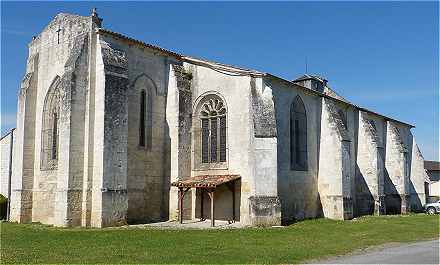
<point x="380" y="55"/>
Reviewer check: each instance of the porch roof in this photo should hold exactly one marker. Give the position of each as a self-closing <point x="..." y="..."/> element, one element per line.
<point x="205" y="181"/>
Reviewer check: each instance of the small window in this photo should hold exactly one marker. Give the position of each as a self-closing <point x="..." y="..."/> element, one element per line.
<point x="140" y="113"/>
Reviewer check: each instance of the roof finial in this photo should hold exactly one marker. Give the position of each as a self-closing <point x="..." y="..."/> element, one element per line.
<point x="94" y="13"/>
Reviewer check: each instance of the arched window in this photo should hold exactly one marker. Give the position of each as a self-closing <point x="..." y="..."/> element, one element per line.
<point x="50" y="128"/>
<point x="298" y="135"/>
<point x="212" y="114"/>
<point x="142" y="116"/>
<point x="140" y="113"/>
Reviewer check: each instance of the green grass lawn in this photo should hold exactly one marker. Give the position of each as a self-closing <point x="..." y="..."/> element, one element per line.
<point x="35" y="243"/>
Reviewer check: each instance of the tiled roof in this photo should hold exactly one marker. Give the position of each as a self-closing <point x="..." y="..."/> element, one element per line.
<point x="307" y="77"/>
<point x="432" y="165"/>
<point x="8" y="133"/>
<point x="330" y="92"/>
<point x="205" y="181"/>
<point x="154" y="47"/>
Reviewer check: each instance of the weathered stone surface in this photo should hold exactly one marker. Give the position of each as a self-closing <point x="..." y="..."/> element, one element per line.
<point x="265" y="210"/>
<point x="370" y="166"/>
<point x="263" y="111"/>
<point x="6" y="143"/>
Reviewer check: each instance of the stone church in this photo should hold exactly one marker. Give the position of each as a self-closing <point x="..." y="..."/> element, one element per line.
<point x="114" y="131"/>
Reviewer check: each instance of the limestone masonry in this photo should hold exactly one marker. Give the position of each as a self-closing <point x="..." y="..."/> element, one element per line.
<point x="106" y="123"/>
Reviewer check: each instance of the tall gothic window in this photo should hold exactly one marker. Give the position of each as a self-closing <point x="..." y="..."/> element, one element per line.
<point x="50" y="128"/>
<point x="213" y="130"/>
<point x="142" y="117"/>
<point x="298" y="135"/>
<point x="140" y="112"/>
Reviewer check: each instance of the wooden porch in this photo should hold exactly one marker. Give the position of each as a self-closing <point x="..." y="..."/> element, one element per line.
<point x="206" y="184"/>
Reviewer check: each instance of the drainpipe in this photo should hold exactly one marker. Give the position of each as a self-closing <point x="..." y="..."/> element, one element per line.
<point x="8" y="211"/>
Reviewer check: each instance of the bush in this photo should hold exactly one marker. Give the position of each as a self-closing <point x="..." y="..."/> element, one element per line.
<point x="3" y="207"/>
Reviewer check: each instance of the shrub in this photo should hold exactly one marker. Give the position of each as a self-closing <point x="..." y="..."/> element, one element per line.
<point x="3" y="207"/>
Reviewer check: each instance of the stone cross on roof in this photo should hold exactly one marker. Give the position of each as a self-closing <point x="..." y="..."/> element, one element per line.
<point x="94" y="13"/>
<point x="58" y="35"/>
<point x="97" y="20"/>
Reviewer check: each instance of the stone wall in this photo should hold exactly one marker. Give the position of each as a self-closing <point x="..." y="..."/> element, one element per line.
<point x="369" y="182"/>
<point x="111" y="104"/>
<point x="397" y="168"/>
<point x="22" y="181"/>
<point x="57" y="60"/>
<point x="265" y="205"/>
<point x="336" y="172"/>
<point x="6" y="144"/>
<point x="298" y="190"/>
<point x="206" y="81"/>
<point x="418" y="178"/>
<point x="148" y="170"/>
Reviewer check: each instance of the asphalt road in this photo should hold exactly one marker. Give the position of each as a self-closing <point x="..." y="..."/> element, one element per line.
<point x="426" y="252"/>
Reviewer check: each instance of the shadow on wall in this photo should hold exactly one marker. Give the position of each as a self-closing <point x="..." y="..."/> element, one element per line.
<point x="165" y="210"/>
<point x="158" y="204"/>
<point x="415" y="204"/>
<point x="364" y="199"/>
<point x="286" y="216"/>
<point x="393" y="201"/>
<point x="319" y="211"/>
<point x="287" y="219"/>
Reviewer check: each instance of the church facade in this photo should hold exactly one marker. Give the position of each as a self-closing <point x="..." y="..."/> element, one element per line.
<point x="106" y="124"/>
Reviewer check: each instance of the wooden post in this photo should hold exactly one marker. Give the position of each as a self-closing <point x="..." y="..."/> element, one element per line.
<point x="201" y="205"/>
<point x="181" y="195"/>
<point x="233" y="201"/>
<point x="211" y="195"/>
<point x="231" y="187"/>
<point x="181" y="205"/>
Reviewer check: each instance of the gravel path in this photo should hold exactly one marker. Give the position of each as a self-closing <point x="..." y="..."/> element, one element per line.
<point x="426" y="252"/>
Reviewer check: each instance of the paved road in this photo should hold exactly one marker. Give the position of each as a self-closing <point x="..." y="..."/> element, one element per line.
<point x="426" y="252"/>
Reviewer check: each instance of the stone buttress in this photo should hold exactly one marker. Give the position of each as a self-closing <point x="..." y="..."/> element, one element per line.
<point x="264" y="203"/>
<point x="370" y="172"/>
<point x="397" y="167"/>
<point x="335" y="175"/>
<point x="109" y="188"/>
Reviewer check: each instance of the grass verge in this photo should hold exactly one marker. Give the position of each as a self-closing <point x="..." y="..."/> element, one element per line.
<point x="311" y="239"/>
